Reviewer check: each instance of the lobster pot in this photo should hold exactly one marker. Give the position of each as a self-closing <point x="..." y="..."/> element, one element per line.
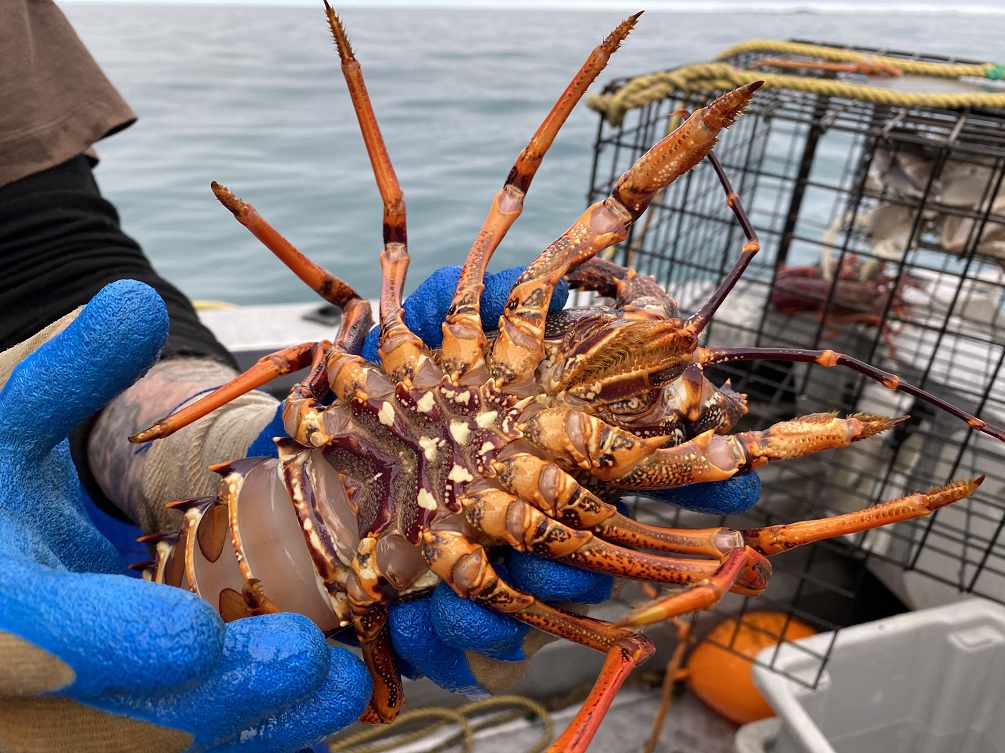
<point x="881" y="222"/>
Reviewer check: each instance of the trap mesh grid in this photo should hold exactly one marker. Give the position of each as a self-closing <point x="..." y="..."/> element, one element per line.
<point x="906" y="206"/>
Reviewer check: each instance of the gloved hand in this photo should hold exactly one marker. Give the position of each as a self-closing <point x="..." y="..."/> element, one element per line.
<point x="91" y="660"/>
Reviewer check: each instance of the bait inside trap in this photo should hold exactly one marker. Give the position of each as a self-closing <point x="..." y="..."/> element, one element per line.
<point x="881" y="217"/>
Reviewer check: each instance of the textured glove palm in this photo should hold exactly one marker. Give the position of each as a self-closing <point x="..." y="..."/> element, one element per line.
<point x="93" y="660"/>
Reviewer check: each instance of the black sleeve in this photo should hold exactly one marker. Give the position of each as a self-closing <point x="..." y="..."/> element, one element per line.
<point x="60" y="243"/>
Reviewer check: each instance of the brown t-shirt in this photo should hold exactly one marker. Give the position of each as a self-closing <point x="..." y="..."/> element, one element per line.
<point x="55" y="102"/>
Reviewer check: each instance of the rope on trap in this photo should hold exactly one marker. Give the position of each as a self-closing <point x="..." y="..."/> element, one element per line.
<point x="386" y="738"/>
<point x="721" y="76"/>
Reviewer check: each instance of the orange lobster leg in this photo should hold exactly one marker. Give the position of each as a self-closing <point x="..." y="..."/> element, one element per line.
<point x="511" y="521"/>
<point x="267" y="368"/>
<point x="464" y="566"/>
<point x="712" y="457"/>
<point x="401" y="350"/>
<point x="738" y="564"/>
<point x="519" y="348"/>
<point x="598" y="447"/>
<point x="356" y="315"/>
<point x="368" y="596"/>
<point x="320" y="280"/>
<point x="557" y="494"/>
<point x="830" y="358"/>
<point x="463" y="338"/>
<point x="621" y="659"/>
<point x="781" y="538"/>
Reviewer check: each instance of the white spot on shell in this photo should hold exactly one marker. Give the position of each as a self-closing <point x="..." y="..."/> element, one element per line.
<point x="459" y="474"/>
<point x="386" y="414"/>
<point x="460" y="431"/>
<point x="429" y="447"/>
<point x="487" y="418"/>
<point x="486" y="448"/>
<point x="426" y="500"/>
<point x="425" y="403"/>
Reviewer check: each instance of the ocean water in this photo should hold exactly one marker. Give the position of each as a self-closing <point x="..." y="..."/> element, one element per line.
<point x="252" y="96"/>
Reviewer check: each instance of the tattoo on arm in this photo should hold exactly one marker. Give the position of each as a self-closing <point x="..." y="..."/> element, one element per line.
<point x="116" y="463"/>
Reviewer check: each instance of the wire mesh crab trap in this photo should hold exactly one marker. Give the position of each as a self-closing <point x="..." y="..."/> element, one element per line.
<point x="881" y="216"/>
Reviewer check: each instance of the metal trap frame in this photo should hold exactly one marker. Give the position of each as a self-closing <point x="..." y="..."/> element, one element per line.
<point x="881" y="219"/>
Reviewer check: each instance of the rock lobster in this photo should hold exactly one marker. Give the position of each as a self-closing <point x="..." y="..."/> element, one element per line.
<point x="398" y="474"/>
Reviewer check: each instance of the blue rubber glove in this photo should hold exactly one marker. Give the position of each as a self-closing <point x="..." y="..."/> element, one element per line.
<point x="730" y="497"/>
<point x="91" y="660"/>
<point x="426" y="308"/>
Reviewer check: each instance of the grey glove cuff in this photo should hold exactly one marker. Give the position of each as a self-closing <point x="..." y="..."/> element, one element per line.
<point x="176" y="467"/>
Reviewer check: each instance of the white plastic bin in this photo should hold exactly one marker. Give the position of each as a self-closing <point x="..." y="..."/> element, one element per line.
<point x="931" y="681"/>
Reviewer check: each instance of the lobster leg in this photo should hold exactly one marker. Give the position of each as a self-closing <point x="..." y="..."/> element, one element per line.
<point x="705" y="594"/>
<point x="356" y="315"/>
<point x="514" y="522"/>
<point x="712" y="457"/>
<point x="557" y="494"/>
<point x="623" y="460"/>
<point x="463" y="338"/>
<point x="369" y="595"/>
<point x="599" y="448"/>
<point x="621" y="659"/>
<point x="267" y="368"/>
<point x="464" y="566"/>
<point x="781" y="538"/>
<point x="519" y="348"/>
<point x="775" y="539"/>
<point x="320" y="280"/>
<point x="401" y="350"/>
<point x="828" y="358"/>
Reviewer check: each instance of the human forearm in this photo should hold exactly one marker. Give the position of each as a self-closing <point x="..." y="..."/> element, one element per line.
<point x="141" y="479"/>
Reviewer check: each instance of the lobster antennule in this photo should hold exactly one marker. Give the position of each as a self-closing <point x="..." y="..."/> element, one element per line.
<point x="700" y="319"/>
<point x="830" y="358"/>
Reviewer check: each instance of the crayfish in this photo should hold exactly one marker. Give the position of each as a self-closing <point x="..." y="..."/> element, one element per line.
<point x="858" y="293"/>
<point x="398" y="474"/>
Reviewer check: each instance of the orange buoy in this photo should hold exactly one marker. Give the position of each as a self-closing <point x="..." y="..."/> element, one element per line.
<point x="722" y="677"/>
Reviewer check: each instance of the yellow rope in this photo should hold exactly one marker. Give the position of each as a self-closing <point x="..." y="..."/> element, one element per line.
<point x="719" y="76"/>
<point x="834" y="55"/>
<point x="380" y="739"/>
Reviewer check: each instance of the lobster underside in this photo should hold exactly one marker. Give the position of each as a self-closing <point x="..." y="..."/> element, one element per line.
<point x="398" y="474"/>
